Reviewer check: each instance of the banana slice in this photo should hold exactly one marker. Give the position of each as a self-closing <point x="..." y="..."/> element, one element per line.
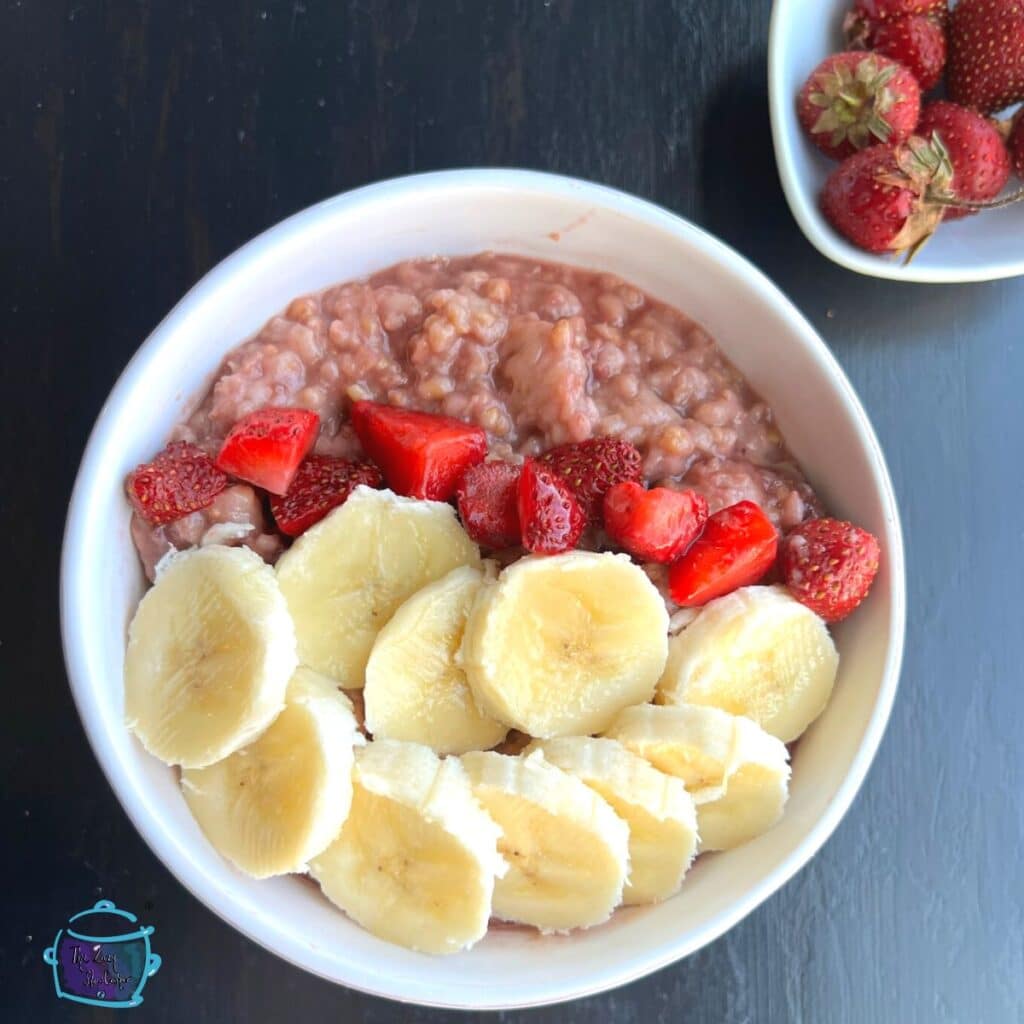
<point x="559" y="645"/>
<point x="210" y="651"/>
<point x="693" y="743"/>
<point x="566" y="848"/>
<point x="755" y="792"/>
<point x="276" y="803"/>
<point x="661" y="815"/>
<point x="306" y="684"/>
<point x="345" y="577"/>
<point x="757" y="652"/>
<point x="416" y="859"/>
<point x="416" y="689"/>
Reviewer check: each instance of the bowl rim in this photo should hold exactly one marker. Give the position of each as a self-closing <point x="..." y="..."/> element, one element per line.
<point x="149" y="823"/>
<point x="782" y="112"/>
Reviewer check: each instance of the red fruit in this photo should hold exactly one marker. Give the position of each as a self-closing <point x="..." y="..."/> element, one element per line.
<point x="591" y="467"/>
<point x="180" y="480"/>
<point x="884" y="199"/>
<point x="829" y="566"/>
<point x="884" y="10"/>
<point x="487" y="497"/>
<point x="981" y="164"/>
<point x="856" y="99"/>
<point x="656" y="525"/>
<point x="321" y="484"/>
<point x="738" y="546"/>
<point x="266" y="447"/>
<point x="550" y="517"/>
<point x="1016" y="145"/>
<point x="420" y="455"/>
<point x="917" y="42"/>
<point x="986" y="54"/>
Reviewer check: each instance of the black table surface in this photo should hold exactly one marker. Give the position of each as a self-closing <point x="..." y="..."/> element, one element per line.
<point x="143" y="141"/>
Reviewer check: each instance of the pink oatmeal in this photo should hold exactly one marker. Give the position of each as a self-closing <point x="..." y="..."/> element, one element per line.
<point x="538" y="354"/>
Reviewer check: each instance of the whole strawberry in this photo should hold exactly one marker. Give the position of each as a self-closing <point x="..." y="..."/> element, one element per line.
<point x="1015" y="144"/>
<point x="981" y="164"/>
<point x="917" y="41"/>
<point x="829" y="566"/>
<point x="986" y="54"/>
<point x="857" y="99"/>
<point x="887" y="198"/>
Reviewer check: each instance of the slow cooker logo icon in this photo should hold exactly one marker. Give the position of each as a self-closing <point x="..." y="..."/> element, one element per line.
<point x="102" y="957"/>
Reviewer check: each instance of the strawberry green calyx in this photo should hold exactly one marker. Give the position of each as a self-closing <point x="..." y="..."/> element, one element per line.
<point x="854" y="102"/>
<point x="924" y="166"/>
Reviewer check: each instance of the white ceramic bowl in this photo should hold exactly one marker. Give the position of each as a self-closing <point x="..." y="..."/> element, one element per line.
<point x="463" y="212"/>
<point x="980" y="248"/>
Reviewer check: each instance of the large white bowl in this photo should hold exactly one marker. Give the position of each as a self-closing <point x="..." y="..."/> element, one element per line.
<point x="982" y="248"/>
<point x="463" y="212"/>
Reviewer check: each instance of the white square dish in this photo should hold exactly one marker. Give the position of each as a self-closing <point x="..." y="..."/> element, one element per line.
<point x="980" y="248"/>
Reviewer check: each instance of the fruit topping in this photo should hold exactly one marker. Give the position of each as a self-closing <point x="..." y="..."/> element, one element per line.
<point x="656" y="525"/>
<point x="321" y="483"/>
<point x="736" y="549"/>
<point x="266" y="447"/>
<point x="829" y="566"/>
<point x="420" y="455"/>
<point x="487" y="498"/>
<point x="181" y="479"/>
<point x="550" y="517"/>
<point x="591" y="467"/>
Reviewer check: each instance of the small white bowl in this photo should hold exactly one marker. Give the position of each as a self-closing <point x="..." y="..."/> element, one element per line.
<point x="464" y="212"/>
<point x="980" y="248"/>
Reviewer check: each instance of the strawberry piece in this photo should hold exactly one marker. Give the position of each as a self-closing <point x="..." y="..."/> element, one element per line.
<point x="420" y="455"/>
<point x="550" y="517"/>
<point x="829" y="566"/>
<point x="266" y="447"/>
<point x="886" y="199"/>
<point x="986" y="54"/>
<point x="487" y="497"/>
<point x="857" y="99"/>
<point x="917" y="42"/>
<point x="736" y="549"/>
<point x="656" y="525"/>
<point x="889" y="10"/>
<point x="321" y="484"/>
<point x="981" y="164"/>
<point x="591" y="467"/>
<point x="180" y="480"/>
<point x="1015" y="144"/>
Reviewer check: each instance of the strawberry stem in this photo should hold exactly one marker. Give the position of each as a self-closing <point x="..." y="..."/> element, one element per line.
<point x="992" y="204"/>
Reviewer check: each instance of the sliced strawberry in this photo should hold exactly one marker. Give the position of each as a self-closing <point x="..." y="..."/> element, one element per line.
<point x="266" y="447"/>
<point x="487" y="497"/>
<point x="736" y="549"/>
<point x="420" y="455"/>
<point x="656" y="525"/>
<point x="829" y="566"/>
<point x="591" y="467"/>
<point x="180" y="480"/>
<point x="549" y="514"/>
<point x="321" y="484"/>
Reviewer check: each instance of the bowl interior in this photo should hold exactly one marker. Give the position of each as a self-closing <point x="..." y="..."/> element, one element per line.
<point x="464" y="212"/>
<point x="979" y="248"/>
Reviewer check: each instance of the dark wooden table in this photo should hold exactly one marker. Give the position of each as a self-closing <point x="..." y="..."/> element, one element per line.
<point x="143" y="141"/>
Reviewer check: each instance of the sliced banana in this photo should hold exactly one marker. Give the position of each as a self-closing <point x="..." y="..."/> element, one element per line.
<point x="661" y="815"/>
<point x="757" y="652"/>
<point x="210" y="651"/>
<point x="281" y="800"/>
<point x="559" y="645"/>
<point x="755" y="791"/>
<point x="307" y="684"/>
<point x="693" y="743"/>
<point x="416" y="689"/>
<point x="567" y="850"/>
<point x="344" y="578"/>
<point x="416" y="860"/>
